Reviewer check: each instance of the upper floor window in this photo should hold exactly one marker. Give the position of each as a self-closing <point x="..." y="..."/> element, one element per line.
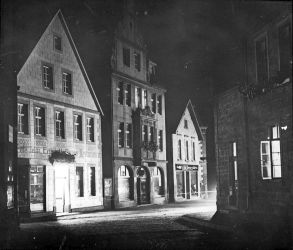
<point x="137" y="60"/>
<point x="261" y="61"/>
<point x="145" y="98"/>
<point x="128" y="135"/>
<point x="233" y="172"/>
<point x="57" y="43"/>
<point x="48" y="76"/>
<point x="270" y="153"/>
<point x="120" y="93"/>
<point x="79" y="181"/>
<point x="186" y="150"/>
<point x="126" y="57"/>
<point x="179" y="151"/>
<point x="185" y="123"/>
<point x="285" y="47"/>
<point x="67" y="83"/>
<point x="22" y="118"/>
<point x="77" y="127"/>
<point x="159" y="102"/>
<point x="160" y="140"/>
<point x="40" y="121"/>
<point x="145" y="133"/>
<point x="121" y="135"/>
<point x="59" y="124"/>
<point x="137" y="97"/>
<point x="151" y="134"/>
<point x="193" y="151"/>
<point x="90" y="129"/>
<point x="128" y="95"/>
<point x="153" y="101"/>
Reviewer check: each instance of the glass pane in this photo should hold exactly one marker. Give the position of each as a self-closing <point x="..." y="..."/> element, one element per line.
<point x="266" y="171"/>
<point x="275" y="131"/>
<point x="235" y="171"/>
<point x="275" y="146"/>
<point x="265" y="147"/>
<point x="234" y="149"/>
<point x="277" y="171"/>
<point x="276" y="159"/>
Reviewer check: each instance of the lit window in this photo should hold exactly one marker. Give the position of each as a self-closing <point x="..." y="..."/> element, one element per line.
<point x="137" y="97"/>
<point x="37" y="186"/>
<point x="40" y="121"/>
<point x="270" y="152"/>
<point x="90" y="129"/>
<point x="145" y="98"/>
<point x="48" y="77"/>
<point x="128" y="95"/>
<point x="67" y="83"/>
<point x="126" y="57"/>
<point x="121" y="135"/>
<point x="79" y="181"/>
<point x="59" y="123"/>
<point x="57" y="43"/>
<point x="128" y="135"/>
<point x="77" y="127"/>
<point x="137" y="60"/>
<point x="261" y="61"/>
<point x="22" y="118"/>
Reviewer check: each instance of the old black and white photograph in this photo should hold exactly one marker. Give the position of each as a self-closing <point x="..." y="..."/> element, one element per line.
<point x="146" y="124"/>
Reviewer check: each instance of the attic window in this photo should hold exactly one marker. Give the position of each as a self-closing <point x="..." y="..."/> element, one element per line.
<point x="57" y="43"/>
<point x="185" y="124"/>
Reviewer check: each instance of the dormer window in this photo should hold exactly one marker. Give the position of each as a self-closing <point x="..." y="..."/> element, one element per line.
<point x="57" y="43"/>
<point x="185" y="123"/>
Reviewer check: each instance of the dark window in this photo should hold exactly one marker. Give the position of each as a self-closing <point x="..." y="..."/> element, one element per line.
<point x="90" y="129"/>
<point x="57" y="43"/>
<point x="126" y="57"/>
<point x="185" y="123"/>
<point x="93" y="181"/>
<point x="160" y="139"/>
<point x="67" y="83"/>
<point x="159" y="102"/>
<point x="48" y="77"/>
<point x="22" y="118"/>
<point x="285" y="47"/>
<point x="59" y="122"/>
<point x="145" y="133"/>
<point x="151" y="135"/>
<point x="262" y="61"/>
<point x="154" y="106"/>
<point x="79" y="181"/>
<point x="77" y="127"/>
<point x="121" y="135"/>
<point x="128" y="135"/>
<point x="179" y="150"/>
<point x="128" y="95"/>
<point x="193" y="151"/>
<point x="186" y="151"/>
<point x="40" y="121"/>
<point x="137" y="60"/>
<point x="120" y="93"/>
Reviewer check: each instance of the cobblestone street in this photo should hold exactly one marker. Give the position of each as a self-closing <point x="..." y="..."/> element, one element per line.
<point x="145" y="227"/>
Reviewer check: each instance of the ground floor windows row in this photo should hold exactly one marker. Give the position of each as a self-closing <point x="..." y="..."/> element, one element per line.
<point x="187" y="184"/>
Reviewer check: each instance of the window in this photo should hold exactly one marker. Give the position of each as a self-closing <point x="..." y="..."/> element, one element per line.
<point x="160" y="140"/>
<point x="261" y="61"/>
<point x="48" y="77"/>
<point x="121" y="135"/>
<point x="151" y="134"/>
<point x="120" y="93"/>
<point x="79" y="181"/>
<point x="137" y="97"/>
<point x="77" y="127"/>
<point x="137" y="60"/>
<point x="285" y="47"/>
<point x="159" y="102"/>
<point x="90" y="129"/>
<point x="179" y="150"/>
<point x="37" y="187"/>
<point x="40" y="121"/>
<point x="153" y="100"/>
<point x="59" y="122"/>
<point x="270" y="153"/>
<point x="93" y="181"/>
<point x="185" y="123"/>
<point x="145" y="98"/>
<point x="186" y="151"/>
<point x="126" y="57"/>
<point x="193" y="151"/>
<point x="158" y="179"/>
<point x="145" y="133"/>
<point x="128" y="135"/>
<point x="57" y="43"/>
<point x="22" y="118"/>
<point x="128" y="95"/>
<point x="234" y="161"/>
<point x="67" y="83"/>
<point x="125" y="184"/>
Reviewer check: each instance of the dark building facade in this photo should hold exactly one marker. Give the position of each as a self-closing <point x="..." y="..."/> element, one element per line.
<point x="253" y="125"/>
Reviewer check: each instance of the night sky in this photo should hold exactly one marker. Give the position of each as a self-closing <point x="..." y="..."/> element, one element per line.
<point x="196" y="44"/>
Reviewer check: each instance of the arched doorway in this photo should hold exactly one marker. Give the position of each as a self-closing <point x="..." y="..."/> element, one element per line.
<point x="125" y="183"/>
<point x="143" y="186"/>
<point x="158" y="180"/>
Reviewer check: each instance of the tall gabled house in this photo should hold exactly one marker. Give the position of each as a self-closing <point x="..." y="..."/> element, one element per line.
<point x="187" y="167"/>
<point x="59" y="128"/>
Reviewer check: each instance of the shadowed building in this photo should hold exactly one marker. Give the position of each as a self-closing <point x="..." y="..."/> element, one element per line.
<point x="253" y="124"/>
<point x="187" y="173"/>
<point x="59" y="127"/>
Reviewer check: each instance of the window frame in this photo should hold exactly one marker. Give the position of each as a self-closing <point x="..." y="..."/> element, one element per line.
<point x="75" y="130"/>
<point x="127" y="93"/>
<point x="160" y="104"/>
<point x="68" y="72"/>
<point x="92" y="127"/>
<point x="126" y="56"/>
<point x="120" y="93"/>
<point x="160" y="140"/>
<point x="137" y="60"/>
<point x="35" y="120"/>
<point x="59" y="137"/>
<point x="128" y="135"/>
<point x="154" y="102"/>
<point x="55" y="35"/>
<point x="92" y="181"/>
<point x="48" y="65"/>
<point x="26" y="124"/>
<point x="81" y="190"/>
<point x="179" y="149"/>
<point x="121" y="137"/>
